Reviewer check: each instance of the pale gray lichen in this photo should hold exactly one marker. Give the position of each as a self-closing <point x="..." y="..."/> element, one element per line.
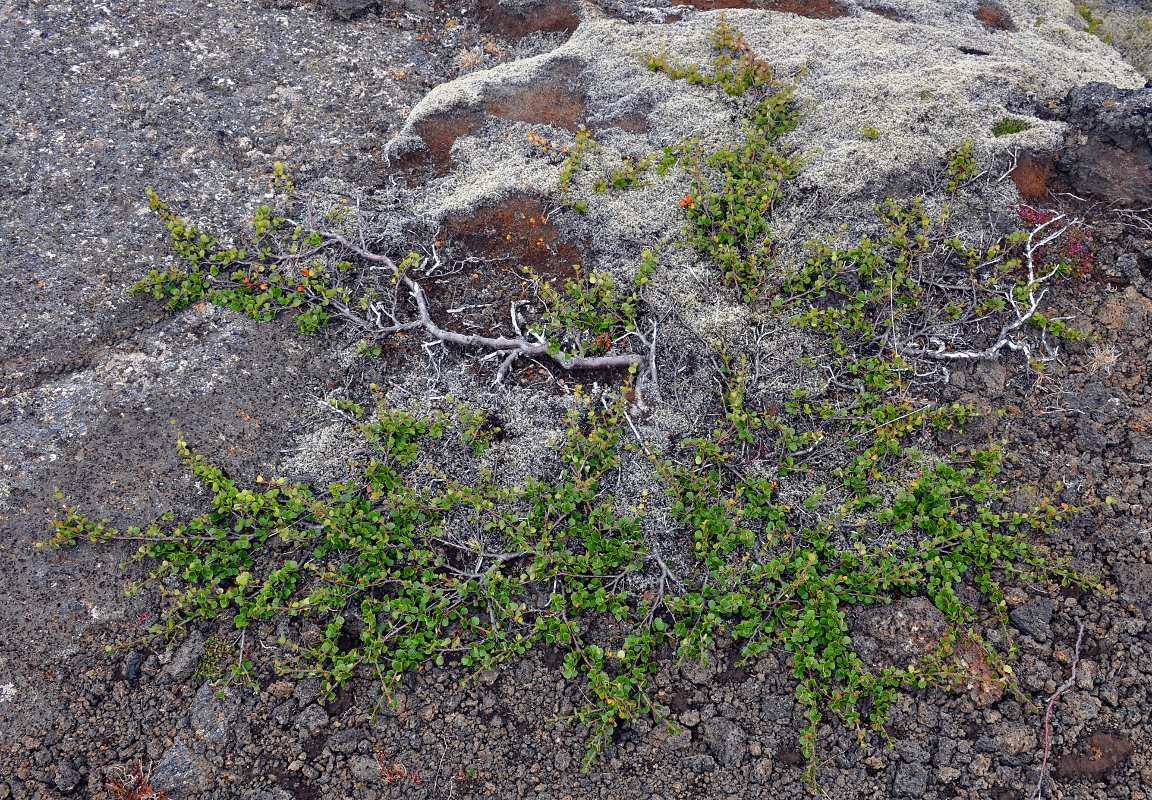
<point x="926" y="83"/>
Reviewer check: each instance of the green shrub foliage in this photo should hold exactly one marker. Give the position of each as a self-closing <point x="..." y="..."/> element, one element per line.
<point x="400" y="565"/>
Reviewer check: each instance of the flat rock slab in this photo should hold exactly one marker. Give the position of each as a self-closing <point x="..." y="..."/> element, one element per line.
<point x="726" y="740"/>
<point x="1033" y="618"/>
<point x="181" y="772"/>
<point x="211" y="715"/>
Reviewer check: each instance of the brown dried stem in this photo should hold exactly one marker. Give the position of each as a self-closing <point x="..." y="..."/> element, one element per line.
<point x="1064" y="687"/>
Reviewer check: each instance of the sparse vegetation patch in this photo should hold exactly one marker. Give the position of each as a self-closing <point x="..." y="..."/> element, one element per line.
<point x="404" y="563"/>
<point x="1009" y="126"/>
<point x="734" y="191"/>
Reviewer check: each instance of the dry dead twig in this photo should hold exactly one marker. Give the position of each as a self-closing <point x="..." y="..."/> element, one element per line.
<point x="511" y="347"/>
<point x="1024" y="308"/>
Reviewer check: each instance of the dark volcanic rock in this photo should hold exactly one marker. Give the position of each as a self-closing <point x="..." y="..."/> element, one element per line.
<point x="1033" y="618"/>
<point x="184" y="661"/>
<point x="911" y="780"/>
<point x="1135" y="583"/>
<point x="726" y="740"/>
<point x="132" y="664"/>
<point x="1108" y="150"/>
<point x="311" y="720"/>
<point x="344" y="741"/>
<point x="180" y="772"/>
<point x="347" y="9"/>
<point x="211" y="715"/>
<point x="899" y="633"/>
<point x="66" y="778"/>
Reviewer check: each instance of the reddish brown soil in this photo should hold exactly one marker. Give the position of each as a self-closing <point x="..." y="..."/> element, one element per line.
<point x="508" y="237"/>
<point x="1099" y="754"/>
<point x="438" y="135"/>
<point x="518" y="232"/>
<point x="633" y="123"/>
<point x="816" y="9"/>
<point x="550" y="17"/>
<point x="994" y="17"/>
<point x="558" y="99"/>
<point x="1032" y="175"/>
<point x="886" y="12"/>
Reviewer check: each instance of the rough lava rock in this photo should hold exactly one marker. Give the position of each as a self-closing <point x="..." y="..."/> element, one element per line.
<point x="181" y="772"/>
<point x="726" y="740"/>
<point x="1108" y="151"/>
<point x="184" y="660"/>
<point x="211" y="715"/>
<point x="66" y="779"/>
<point x="1135" y="584"/>
<point x="130" y="670"/>
<point x="911" y="780"/>
<point x="1033" y="618"/>
<point x="311" y="720"/>
<point x="897" y="634"/>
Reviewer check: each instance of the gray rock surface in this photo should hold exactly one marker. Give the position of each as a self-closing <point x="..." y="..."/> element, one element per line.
<point x="344" y="741"/>
<point x="726" y="740"/>
<point x="347" y="9"/>
<point x="184" y="659"/>
<point x="696" y="671"/>
<point x="1135" y="584"/>
<point x="181" y="772"/>
<point x="911" y="780"/>
<point x="1033" y="618"/>
<point x="211" y="715"/>
<point x="267" y="794"/>
<point x="364" y="769"/>
<point x="897" y="634"/>
<point x="306" y="691"/>
<point x="132" y="664"/>
<point x="106" y="101"/>
<point x="311" y="720"/>
<point x="66" y="779"/>
<point x="282" y="714"/>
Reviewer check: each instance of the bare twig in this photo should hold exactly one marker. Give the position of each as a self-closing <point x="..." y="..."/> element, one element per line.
<point x="518" y="346"/>
<point x="506" y="365"/>
<point x="636" y="433"/>
<point x="1012" y="166"/>
<point x="653" y="375"/>
<point x="667" y="579"/>
<point x="1024" y="308"/>
<point x="1136" y="218"/>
